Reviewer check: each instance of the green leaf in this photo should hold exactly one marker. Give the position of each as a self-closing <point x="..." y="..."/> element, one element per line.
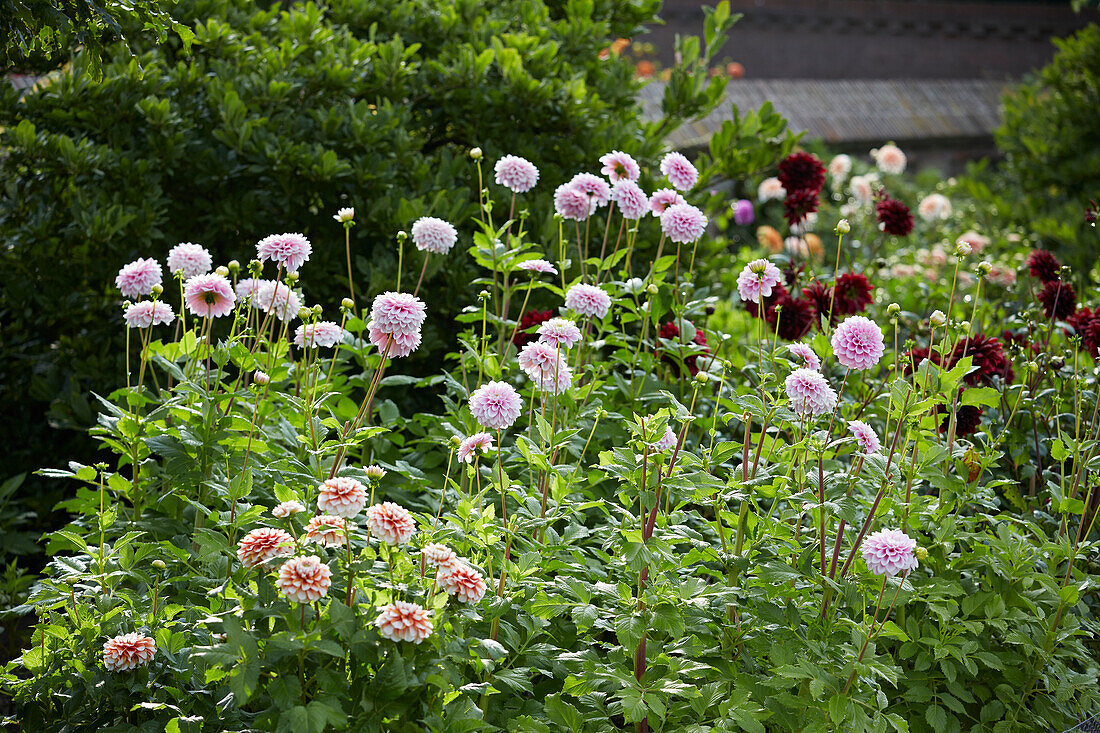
<point x="936" y="717"/>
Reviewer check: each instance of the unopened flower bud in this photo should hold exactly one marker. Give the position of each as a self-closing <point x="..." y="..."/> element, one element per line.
<point x="347" y="304"/>
<point x="455" y="441"/>
<point x="653" y="289"/>
<point x="937" y="319"/>
<point x="475" y="153"/>
<point x="701" y="377"/>
<point x="255" y="267"/>
<point x="843" y="227"/>
<point x="402" y="236"/>
<point x="222" y="270"/>
<point x="318" y="311"/>
<point x="304" y="313"/>
<point x="157" y="290"/>
<point x="261" y="378"/>
<point x="921" y="552"/>
<point x="1033" y="366"/>
<point x="965" y="326"/>
<point x="159" y="564"/>
<point x="483" y="295"/>
<point x="962" y="249"/>
<point x="984" y="268"/>
<point x="375" y="472"/>
<point x="234" y="266"/>
<point x="292" y="277"/>
<point x="893" y="309"/>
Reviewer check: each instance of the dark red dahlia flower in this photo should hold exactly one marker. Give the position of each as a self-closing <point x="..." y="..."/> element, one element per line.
<point x="853" y="294"/>
<point x="988" y="356"/>
<point x="1086" y="324"/>
<point x="1043" y="266"/>
<point x="1058" y="299"/>
<point x="798" y="204"/>
<point x="802" y="172"/>
<point x="528" y="320"/>
<point x="894" y="217"/>
<point x="968" y="419"/>
<point x="793" y="319"/>
<point x="822" y="298"/>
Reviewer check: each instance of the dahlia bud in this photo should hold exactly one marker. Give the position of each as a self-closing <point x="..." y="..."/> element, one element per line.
<point x="1057" y="363"/>
<point x="255" y="267"/>
<point x="893" y="309"/>
<point x="157" y="290"/>
<point x="962" y="249"/>
<point x="601" y="414"/>
<point x="843" y="227"/>
<point x="234" y="266"/>
<point x="304" y="313"/>
<point x="1032" y="366"/>
<point x="261" y="378"/>
<point x="475" y="153"/>
<point x="701" y="377"/>
<point x="318" y="311"/>
<point x="483" y="295"/>
<point x="921" y="553"/>
<point x="634" y="285"/>
<point x="984" y="268"/>
<point x="375" y="472"/>
<point x="652" y="289"/>
<point x="937" y="319"/>
<point x="159" y="564"/>
<point x="347" y="304"/>
<point x="455" y="441"/>
<point x="292" y="277"/>
<point x="965" y="326"/>
<point x="402" y="236"/>
<point x="222" y="270"/>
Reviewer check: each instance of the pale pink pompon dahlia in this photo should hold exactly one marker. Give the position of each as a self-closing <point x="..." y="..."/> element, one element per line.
<point x="538" y="357"/>
<point x="683" y="223"/>
<point x="438" y="555"/>
<point x="592" y="186"/>
<point x="808" y="356"/>
<point x="398" y="345"/>
<point x="190" y="259"/>
<point x="275" y="298"/>
<point x="261" y="545"/>
<point x="619" y="166"/>
<point x="461" y="581"/>
<point x="757" y="280"/>
<point x="809" y="393"/>
<point x="572" y="203"/>
<point x="476" y="444"/>
<point x="770" y="189"/>
<point x="516" y="173"/>
<point x="390" y="523"/>
<point x="128" y="651"/>
<point x="865" y="436"/>
<point x="209" y="295"/>
<point x="496" y="405"/>
<point x="889" y="552"/>
<point x="554" y="381"/>
<point x="137" y="279"/>
<point x="663" y="198"/>
<point x="538" y="266"/>
<point x="857" y="343"/>
<point x="286" y="508"/>
<point x="433" y="235"/>
<point x="890" y="159"/>
<point x="560" y="332"/>
<point x="327" y="529"/>
<point x="345" y="497"/>
<point x="588" y="300"/>
<point x="322" y="334"/>
<point x="679" y="170"/>
<point x="667" y="442"/>
<point x="304" y="579"/>
<point x="395" y="313"/>
<point x="148" y="313"/>
<point x="287" y="250"/>
<point x="403" y="621"/>
<point x="631" y="199"/>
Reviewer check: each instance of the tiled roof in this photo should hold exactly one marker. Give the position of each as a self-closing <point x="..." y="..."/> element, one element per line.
<point x="858" y="110"/>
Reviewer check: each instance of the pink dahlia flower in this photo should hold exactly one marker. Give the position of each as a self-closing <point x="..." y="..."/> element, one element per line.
<point x="680" y="172"/>
<point x="209" y="295"/>
<point x="400" y="344"/>
<point x="390" y="523"/>
<point x="345" y="497"/>
<point x="277" y="299"/>
<point x="190" y="259"/>
<point x="476" y="444"/>
<point x="572" y="203"/>
<point x="631" y="199"/>
<point x="667" y="441"/>
<point x="461" y="581"/>
<point x="540" y="266"/>
<point x="840" y="166"/>
<point x="619" y="166"/>
<point x="757" y="280"/>
<point x="889" y="552"/>
<point x="322" y="334"/>
<point x="857" y="343"/>
<point x="890" y="159"/>
<point x="554" y="381"/>
<point x="438" y="555"/>
<point x="538" y="357"/>
<point x="592" y="186"/>
<point x="810" y="393"/>
<point x="560" y="332"/>
<point x="861" y="189"/>
<point x="934" y="206"/>
<point x="327" y="530"/>
<point x="395" y="313"/>
<point x="137" y="279"/>
<point x="588" y="300"/>
<point x="433" y="235"/>
<point x="663" y="198"/>
<point x="865" y="436"/>
<point x="806" y="354"/>
<point x="403" y="621"/>
<point x="148" y="313"/>
<point x="516" y="173"/>
<point x="770" y="189"/>
<point x="288" y="250"/>
<point x="683" y="223"/>
<point x="128" y="651"/>
<point x="286" y="508"/>
<point x="261" y="545"/>
<point x="496" y="405"/>
<point x="304" y="579"/>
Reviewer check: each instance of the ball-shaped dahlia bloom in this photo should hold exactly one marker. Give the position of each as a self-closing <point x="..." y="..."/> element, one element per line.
<point x="264" y="544"/>
<point x="128" y="651"/>
<point x="390" y="523"/>
<point x="403" y="621"/>
<point x="791" y="318"/>
<point x="148" y="313"/>
<point x="433" y="235"/>
<point x="554" y="381"/>
<point x="322" y="334"/>
<point x="631" y="199"/>
<point x="276" y="298"/>
<point x="858" y="343"/>
<point x="304" y="579"/>
<point x="1058" y="300"/>
<point x="890" y="159"/>
<point x="894" y="217"/>
<point x="496" y="405"/>
<point x="889" y="552"/>
<point x="810" y="393"/>
<point x="560" y="332"/>
<point x="798" y="206"/>
<point x="327" y="530"/>
<point x="840" y="166"/>
<point x="209" y="295"/>
<point x="461" y="581"/>
<point x="619" y="166"/>
<point x="189" y="259"/>
<point x="663" y="198"/>
<point x="679" y="171"/>
<point x="770" y="189"/>
<point x="572" y="203"/>
<point x="527" y="321"/>
<point x="683" y="223"/>
<point x="1043" y="266"/>
<point x="757" y="280"/>
<point x="394" y="346"/>
<point x="808" y="356"/>
<point x="854" y="292"/>
<point x="865" y="437"/>
<point x="743" y="214"/>
<point x="538" y="357"/>
<point x="437" y="555"/>
<point x="342" y="496"/>
<point x="593" y="187"/>
<point x="473" y="446"/>
<point x="286" y="508"/>
<point x="538" y="266"/>
<point x="288" y="250"/>
<point x="136" y="280"/>
<point x="588" y="300"/>
<point x="861" y="189"/>
<point x="934" y="206"/>
<point x="395" y="313"/>
<point x="801" y="171"/>
<point x="516" y="173"/>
